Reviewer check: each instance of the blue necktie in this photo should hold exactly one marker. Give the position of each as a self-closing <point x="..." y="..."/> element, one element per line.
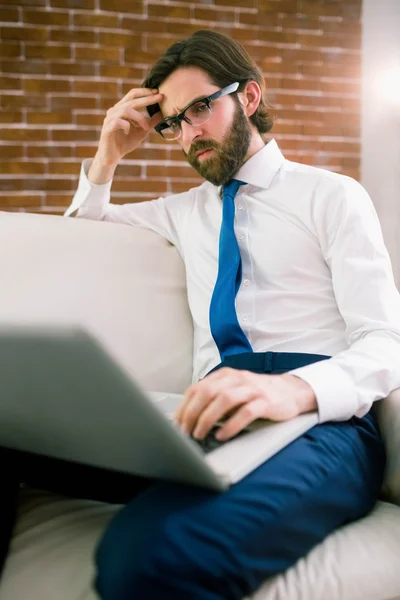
<point x="225" y="328"/>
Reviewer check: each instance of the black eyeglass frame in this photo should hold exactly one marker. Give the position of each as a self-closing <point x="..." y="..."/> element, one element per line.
<point x="166" y="124"/>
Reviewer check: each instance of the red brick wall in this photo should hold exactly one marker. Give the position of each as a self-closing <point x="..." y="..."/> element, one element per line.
<point x="63" y="63"/>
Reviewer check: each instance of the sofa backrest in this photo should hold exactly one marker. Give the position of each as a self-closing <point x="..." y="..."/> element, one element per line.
<point x="126" y="285"/>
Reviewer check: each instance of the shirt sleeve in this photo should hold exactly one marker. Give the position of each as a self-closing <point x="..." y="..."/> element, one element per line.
<point x="165" y="216"/>
<point x="352" y="243"/>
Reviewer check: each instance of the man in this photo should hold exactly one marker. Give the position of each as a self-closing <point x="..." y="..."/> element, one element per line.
<point x="295" y="310"/>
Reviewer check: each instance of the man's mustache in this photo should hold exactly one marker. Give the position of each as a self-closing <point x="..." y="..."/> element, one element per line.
<point x="201" y="145"/>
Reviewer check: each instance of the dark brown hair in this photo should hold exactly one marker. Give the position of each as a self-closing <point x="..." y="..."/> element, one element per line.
<point x="222" y="58"/>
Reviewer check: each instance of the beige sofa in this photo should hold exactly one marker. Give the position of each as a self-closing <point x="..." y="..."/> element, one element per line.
<point x="127" y="286"/>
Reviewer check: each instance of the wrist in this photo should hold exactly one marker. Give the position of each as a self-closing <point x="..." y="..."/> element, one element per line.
<point x="101" y="172"/>
<point x="305" y="396"/>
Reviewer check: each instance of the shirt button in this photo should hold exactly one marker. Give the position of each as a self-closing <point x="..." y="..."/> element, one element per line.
<point x="244" y="317"/>
<point x="240" y="206"/>
<point x="246" y="282"/>
<point x="240" y="237"/>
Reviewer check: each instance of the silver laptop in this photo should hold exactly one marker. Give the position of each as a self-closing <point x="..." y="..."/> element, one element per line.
<point x="64" y="396"/>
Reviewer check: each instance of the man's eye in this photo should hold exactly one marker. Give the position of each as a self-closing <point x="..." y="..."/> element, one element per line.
<point x="199" y="108"/>
<point x="174" y="125"/>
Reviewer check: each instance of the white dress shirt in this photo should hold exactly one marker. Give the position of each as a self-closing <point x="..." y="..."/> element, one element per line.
<point x="317" y="277"/>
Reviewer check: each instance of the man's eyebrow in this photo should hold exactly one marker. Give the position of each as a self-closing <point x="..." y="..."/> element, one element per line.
<point x="187" y="105"/>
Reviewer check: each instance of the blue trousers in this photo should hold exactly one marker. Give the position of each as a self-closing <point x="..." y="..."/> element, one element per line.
<point x="178" y="542"/>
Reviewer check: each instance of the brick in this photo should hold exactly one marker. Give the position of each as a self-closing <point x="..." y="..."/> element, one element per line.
<point x="75" y="36"/>
<point x="73" y="135"/>
<point x="182" y="172"/>
<point x="51" y="51"/>
<point x="8" y="15"/>
<point x="90" y="120"/>
<point x="73" y="69"/>
<point x="65" y="168"/>
<point x="60" y="103"/>
<point x="261" y="19"/>
<point x="121" y="72"/>
<point x="46" y="85"/>
<point x="322" y="9"/>
<point x="10" y="117"/>
<point x="207" y="14"/>
<point x="12" y="184"/>
<point x="23" y="134"/>
<point x="140" y="57"/>
<point x="301" y="22"/>
<point x="249" y="3"/>
<point x="46" y="17"/>
<point x="85" y="151"/>
<point x="24" y="33"/>
<point x="14" y="101"/>
<point x="10" y="49"/>
<point x="19" y="200"/>
<point x="169" y="12"/>
<point x="125" y="6"/>
<point x="106" y="88"/>
<point x="124" y="170"/>
<point x="140" y="185"/>
<point x="10" y="83"/>
<point x="63" y="200"/>
<point x="143" y="153"/>
<point x="47" y="184"/>
<point x="21" y="168"/>
<point x="105" y="54"/>
<point x="150" y="26"/>
<point x="80" y="4"/>
<point x="94" y="20"/>
<point x="125" y="40"/>
<point x="11" y="151"/>
<point x="24" y="66"/>
<point x="50" y="151"/>
<point x="158" y="44"/>
<point x="300" y="84"/>
<point x="35" y="3"/>
<point x="48" y="118"/>
<point x="281" y="6"/>
<point x="329" y="41"/>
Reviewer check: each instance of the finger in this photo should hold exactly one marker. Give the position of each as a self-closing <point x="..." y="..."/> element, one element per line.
<point x="130" y="115"/>
<point x="181" y="408"/>
<point x="221" y="406"/>
<point x="246" y="414"/>
<point x="210" y="386"/>
<point x="138" y="93"/>
<point x="194" y="407"/>
<point x="116" y="125"/>
<point x="141" y="102"/>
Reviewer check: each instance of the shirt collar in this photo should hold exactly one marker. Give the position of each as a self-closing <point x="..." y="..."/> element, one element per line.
<point x="262" y="167"/>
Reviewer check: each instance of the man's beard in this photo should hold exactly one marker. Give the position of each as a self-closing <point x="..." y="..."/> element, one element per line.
<point x="228" y="156"/>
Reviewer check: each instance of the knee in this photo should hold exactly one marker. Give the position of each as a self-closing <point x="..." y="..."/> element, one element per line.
<point x="141" y="562"/>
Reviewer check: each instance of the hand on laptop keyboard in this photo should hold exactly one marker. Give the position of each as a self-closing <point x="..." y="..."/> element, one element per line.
<point x="210" y="442"/>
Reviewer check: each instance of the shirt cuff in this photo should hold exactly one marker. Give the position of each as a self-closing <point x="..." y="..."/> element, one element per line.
<point x="335" y="391"/>
<point x="89" y="196"/>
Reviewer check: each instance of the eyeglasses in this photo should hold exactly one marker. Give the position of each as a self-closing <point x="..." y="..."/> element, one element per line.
<point x="195" y="113"/>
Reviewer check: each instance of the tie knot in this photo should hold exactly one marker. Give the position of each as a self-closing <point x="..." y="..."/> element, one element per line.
<point x="231" y="188"/>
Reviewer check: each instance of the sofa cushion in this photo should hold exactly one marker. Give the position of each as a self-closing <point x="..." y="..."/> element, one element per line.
<point x="388" y="413"/>
<point x="55" y="538"/>
<point x="125" y="284"/>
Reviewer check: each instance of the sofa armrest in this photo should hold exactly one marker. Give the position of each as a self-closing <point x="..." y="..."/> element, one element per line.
<point x="388" y="414"/>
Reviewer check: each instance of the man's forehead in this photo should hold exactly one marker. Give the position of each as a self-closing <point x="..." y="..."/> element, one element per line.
<point x="182" y="87"/>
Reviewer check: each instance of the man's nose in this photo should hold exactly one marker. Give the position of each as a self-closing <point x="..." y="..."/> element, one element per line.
<point x="189" y="133"/>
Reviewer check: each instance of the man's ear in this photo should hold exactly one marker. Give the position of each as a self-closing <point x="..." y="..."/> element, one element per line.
<point x="250" y="97"/>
